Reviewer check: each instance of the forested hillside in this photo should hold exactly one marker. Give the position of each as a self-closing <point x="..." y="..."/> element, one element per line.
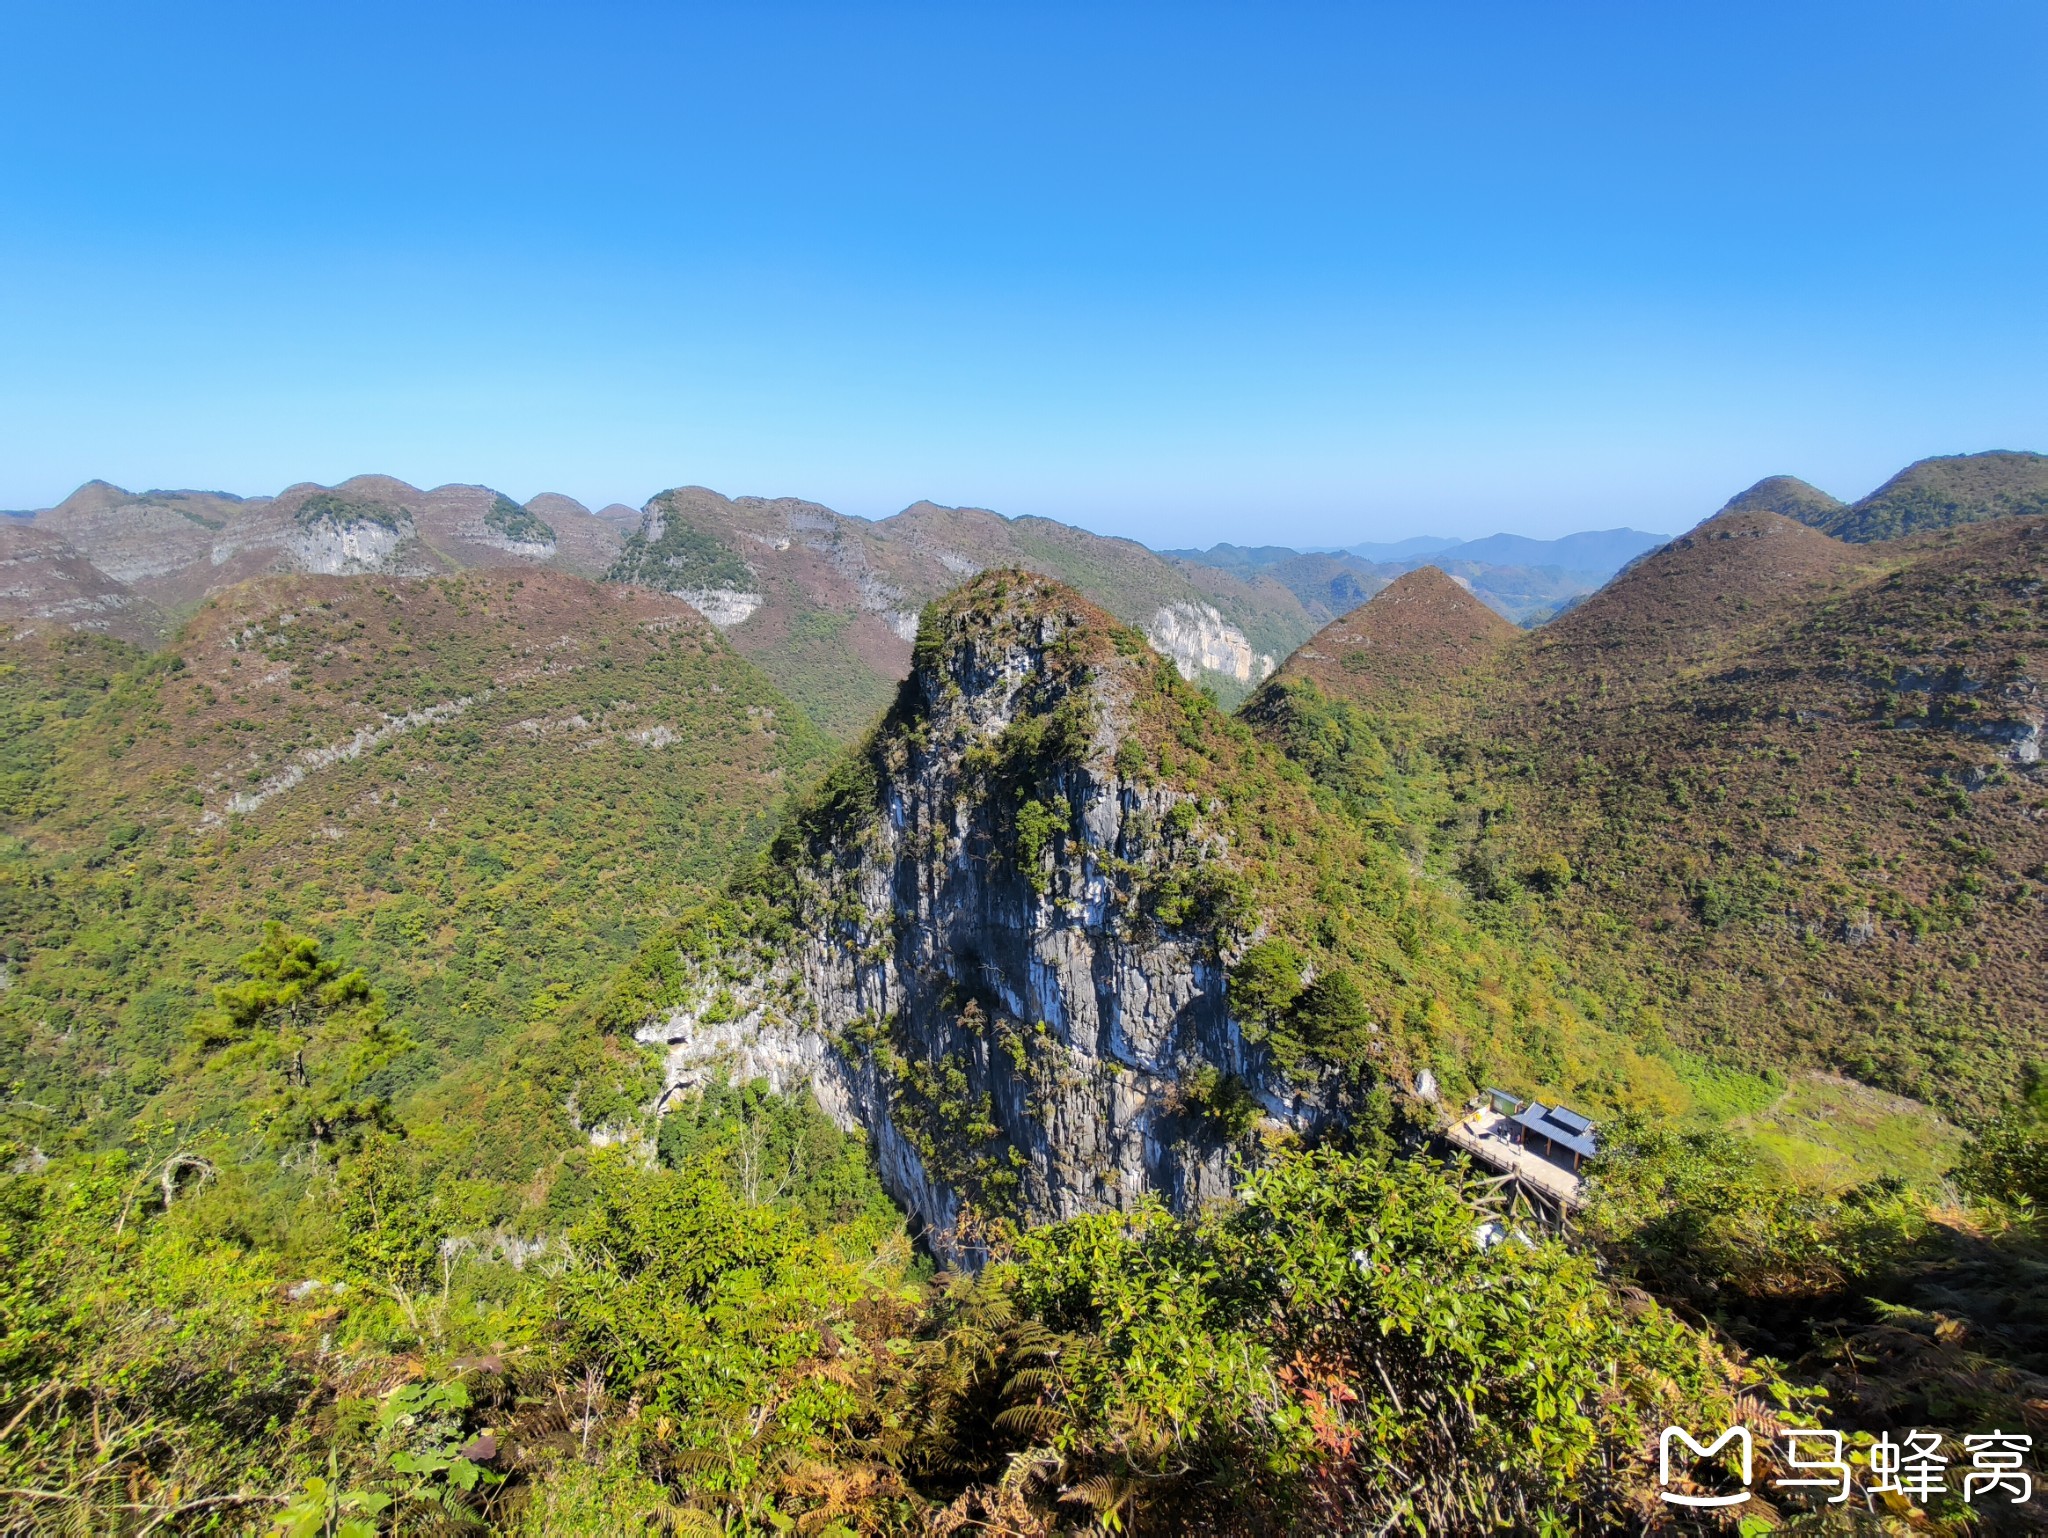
<point x="434" y="1258"/>
<point x="1057" y="889"/>
<point x="1778" y="796"/>
<point x="1774" y="804"/>
<point x="1929" y="494"/>
<point x="488" y="788"/>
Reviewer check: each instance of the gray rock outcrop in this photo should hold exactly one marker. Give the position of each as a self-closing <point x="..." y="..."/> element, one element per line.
<point x="978" y="979"/>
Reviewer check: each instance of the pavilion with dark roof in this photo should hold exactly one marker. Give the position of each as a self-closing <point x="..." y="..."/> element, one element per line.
<point x="1555" y="1132"/>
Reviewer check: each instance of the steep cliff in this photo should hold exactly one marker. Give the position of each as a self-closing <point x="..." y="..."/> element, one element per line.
<point x="1062" y="934"/>
<point x="1002" y="958"/>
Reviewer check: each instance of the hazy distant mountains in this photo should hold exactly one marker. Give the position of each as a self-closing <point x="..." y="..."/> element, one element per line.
<point x="1526" y="580"/>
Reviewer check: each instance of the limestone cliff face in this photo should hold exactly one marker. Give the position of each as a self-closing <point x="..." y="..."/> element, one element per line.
<point x="725" y="607"/>
<point x="1198" y="638"/>
<point x="993" y="968"/>
<point x="342" y="549"/>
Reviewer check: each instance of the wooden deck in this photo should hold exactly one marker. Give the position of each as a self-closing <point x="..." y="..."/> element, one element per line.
<point x="1489" y="1138"/>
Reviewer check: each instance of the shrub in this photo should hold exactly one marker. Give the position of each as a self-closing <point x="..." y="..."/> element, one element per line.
<point x="1224" y="1101"/>
<point x="1265" y="982"/>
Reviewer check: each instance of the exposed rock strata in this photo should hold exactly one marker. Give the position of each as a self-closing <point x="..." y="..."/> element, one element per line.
<point x="44" y="578"/>
<point x="1199" y="640"/>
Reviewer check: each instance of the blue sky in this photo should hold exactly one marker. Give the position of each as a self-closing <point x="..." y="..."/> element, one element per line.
<point x="1259" y="272"/>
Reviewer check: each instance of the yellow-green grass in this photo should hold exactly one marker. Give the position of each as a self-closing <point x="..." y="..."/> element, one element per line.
<point x="1834" y="1132"/>
<point x="1821" y="1128"/>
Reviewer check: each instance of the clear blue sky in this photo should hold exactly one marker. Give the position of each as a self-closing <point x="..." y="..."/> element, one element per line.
<point x="1256" y="272"/>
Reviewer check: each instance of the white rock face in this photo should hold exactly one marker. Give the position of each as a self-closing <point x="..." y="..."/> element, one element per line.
<point x="2018" y="739"/>
<point x="312" y="760"/>
<point x="904" y="623"/>
<point x="344" y="549"/>
<point x="532" y="549"/>
<point x="1198" y="638"/>
<point x="725" y="607"/>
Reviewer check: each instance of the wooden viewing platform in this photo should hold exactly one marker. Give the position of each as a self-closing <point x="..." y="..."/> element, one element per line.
<point x="1490" y="1138"/>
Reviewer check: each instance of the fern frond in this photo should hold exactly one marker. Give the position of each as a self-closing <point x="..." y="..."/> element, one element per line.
<point x="1032" y="1420"/>
<point x="696" y="1460"/>
<point x="1105" y="1494"/>
<point x="1032" y="1380"/>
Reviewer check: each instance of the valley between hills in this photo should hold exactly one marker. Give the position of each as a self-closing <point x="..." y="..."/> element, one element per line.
<point x="731" y="1017"/>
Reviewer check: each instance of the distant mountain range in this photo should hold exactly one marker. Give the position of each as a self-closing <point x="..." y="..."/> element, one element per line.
<point x="1603" y="551"/>
<point x="828" y="604"/>
<point x="1525" y="580"/>
<point x="1419" y="546"/>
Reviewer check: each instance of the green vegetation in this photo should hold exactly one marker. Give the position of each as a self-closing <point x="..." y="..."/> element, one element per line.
<point x="1774" y="830"/>
<point x="1832" y="1131"/>
<point x="1720" y="1093"/>
<point x="1788" y="497"/>
<point x="776" y="1149"/>
<point x="298" y="1045"/>
<point x="1902" y="1310"/>
<point x="680" y="555"/>
<point x="507" y="518"/>
<point x="433" y="1363"/>
<point x="1223" y="1100"/>
<point x="809" y="661"/>
<point x="2010" y="1163"/>
<point x="484" y="867"/>
<point x="1390" y="970"/>
<point x="1302" y="1354"/>
<point x="1942" y="493"/>
<point x="738" y="1339"/>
